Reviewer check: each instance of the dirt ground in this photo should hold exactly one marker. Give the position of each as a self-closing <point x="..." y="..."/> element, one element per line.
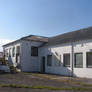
<point x="37" y="79"/>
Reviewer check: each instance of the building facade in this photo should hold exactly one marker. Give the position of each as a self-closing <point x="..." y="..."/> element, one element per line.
<point x="68" y="54"/>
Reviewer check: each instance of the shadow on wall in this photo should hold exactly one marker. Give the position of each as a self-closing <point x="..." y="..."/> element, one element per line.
<point x="57" y="67"/>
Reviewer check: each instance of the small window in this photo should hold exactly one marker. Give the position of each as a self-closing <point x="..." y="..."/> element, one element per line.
<point x="13" y="51"/>
<point x="49" y="60"/>
<point x="66" y="59"/>
<point x="79" y="60"/>
<point x="34" y="51"/>
<point x="89" y="59"/>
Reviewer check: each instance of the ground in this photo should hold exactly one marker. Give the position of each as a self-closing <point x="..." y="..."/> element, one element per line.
<point x="36" y="82"/>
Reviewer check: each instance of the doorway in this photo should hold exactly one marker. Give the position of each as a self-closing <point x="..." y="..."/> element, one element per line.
<point x="43" y="64"/>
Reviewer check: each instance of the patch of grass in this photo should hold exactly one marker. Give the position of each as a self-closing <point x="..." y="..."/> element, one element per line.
<point x="68" y="81"/>
<point x="86" y="85"/>
<point x="44" y="87"/>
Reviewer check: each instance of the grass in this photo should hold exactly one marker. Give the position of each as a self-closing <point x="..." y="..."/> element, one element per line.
<point x="70" y="81"/>
<point x="44" y="87"/>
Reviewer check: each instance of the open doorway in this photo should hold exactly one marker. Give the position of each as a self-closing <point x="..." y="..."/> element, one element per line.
<point x="43" y="64"/>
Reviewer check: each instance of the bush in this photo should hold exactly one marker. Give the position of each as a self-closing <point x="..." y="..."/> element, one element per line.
<point x="12" y="69"/>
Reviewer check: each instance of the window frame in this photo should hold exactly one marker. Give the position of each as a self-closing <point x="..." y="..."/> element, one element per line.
<point x="76" y="66"/>
<point x="32" y="53"/>
<point x="64" y="60"/>
<point x="87" y="60"/>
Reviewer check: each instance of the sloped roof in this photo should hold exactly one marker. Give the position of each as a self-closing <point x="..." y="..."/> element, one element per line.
<point x="73" y="36"/>
<point x="81" y="34"/>
<point x="30" y="38"/>
<point x="36" y="38"/>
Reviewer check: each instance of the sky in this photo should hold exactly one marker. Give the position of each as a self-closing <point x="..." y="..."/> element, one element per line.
<point x="19" y="18"/>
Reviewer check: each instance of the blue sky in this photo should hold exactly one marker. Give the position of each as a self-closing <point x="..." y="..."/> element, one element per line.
<point x="20" y="18"/>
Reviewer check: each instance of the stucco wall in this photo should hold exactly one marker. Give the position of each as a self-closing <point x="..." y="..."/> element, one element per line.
<point x="84" y="47"/>
<point x="60" y="49"/>
<point x="29" y="63"/>
<point x="80" y="46"/>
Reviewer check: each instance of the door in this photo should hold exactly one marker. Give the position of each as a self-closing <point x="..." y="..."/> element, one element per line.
<point x="43" y="64"/>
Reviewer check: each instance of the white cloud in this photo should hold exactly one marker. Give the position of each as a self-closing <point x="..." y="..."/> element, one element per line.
<point x="4" y="41"/>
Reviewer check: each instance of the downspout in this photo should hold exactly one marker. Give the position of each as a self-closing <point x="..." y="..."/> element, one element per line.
<point x="72" y="59"/>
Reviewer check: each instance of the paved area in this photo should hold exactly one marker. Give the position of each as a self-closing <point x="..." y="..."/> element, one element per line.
<point x="36" y="79"/>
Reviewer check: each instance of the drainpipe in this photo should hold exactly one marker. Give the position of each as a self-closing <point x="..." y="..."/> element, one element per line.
<point x="72" y="59"/>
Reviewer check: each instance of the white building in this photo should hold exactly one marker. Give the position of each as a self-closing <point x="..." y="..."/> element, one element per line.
<point x="67" y="54"/>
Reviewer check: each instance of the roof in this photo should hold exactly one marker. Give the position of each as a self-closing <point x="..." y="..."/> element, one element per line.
<point x="81" y="34"/>
<point x="30" y="38"/>
<point x="36" y="38"/>
<point x="73" y="36"/>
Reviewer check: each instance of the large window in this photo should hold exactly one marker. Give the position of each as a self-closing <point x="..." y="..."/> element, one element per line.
<point x="34" y="51"/>
<point x="78" y="60"/>
<point x="66" y="59"/>
<point x="49" y="60"/>
<point x="89" y="59"/>
<point x="13" y="51"/>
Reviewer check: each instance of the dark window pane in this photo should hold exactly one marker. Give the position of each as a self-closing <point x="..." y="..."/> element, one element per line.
<point x="18" y="50"/>
<point x="13" y="51"/>
<point x="9" y="51"/>
<point x="49" y="60"/>
<point x="34" y="51"/>
<point x="66" y="60"/>
<point x="79" y="60"/>
<point x="89" y="59"/>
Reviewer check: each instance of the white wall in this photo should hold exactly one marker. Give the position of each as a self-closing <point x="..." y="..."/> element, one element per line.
<point x="80" y="46"/>
<point x="29" y="63"/>
<point x="84" y="47"/>
<point x="60" y="49"/>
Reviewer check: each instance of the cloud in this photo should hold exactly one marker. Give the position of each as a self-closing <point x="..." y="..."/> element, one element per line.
<point x="4" y="41"/>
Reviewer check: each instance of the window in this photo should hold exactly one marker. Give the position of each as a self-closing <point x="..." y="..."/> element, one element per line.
<point x="18" y="50"/>
<point x="34" y="51"/>
<point x="13" y="51"/>
<point x="66" y="59"/>
<point x="79" y="60"/>
<point x="49" y="60"/>
<point x="9" y="51"/>
<point x="89" y="59"/>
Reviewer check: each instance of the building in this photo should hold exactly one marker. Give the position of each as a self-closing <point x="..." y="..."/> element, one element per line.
<point x="67" y="54"/>
<point x="1" y="54"/>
